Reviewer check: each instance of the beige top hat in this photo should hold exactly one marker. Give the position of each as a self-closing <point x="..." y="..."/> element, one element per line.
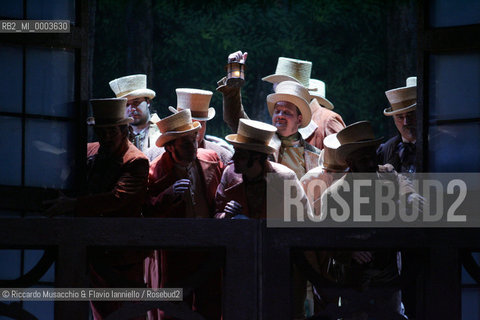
<point x="198" y="101"/>
<point x="289" y="69"/>
<point x="356" y="136"/>
<point x="109" y="112"/>
<point x="402" y="99"/>
<point x="329" y="158"/>
<point x="295" y="93"/>
<point x="317" y="91"/>
<point x="253" y="135"/>
<point x="132" y="86"/>
<point x="175" y="126"/>
<point x="293" y="70"/>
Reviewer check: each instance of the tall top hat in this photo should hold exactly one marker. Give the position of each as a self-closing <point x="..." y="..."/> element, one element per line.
<point x="402" y="99"/>
<point x="253" y="135"/>
<point x="289" y="69"/>
<point x="317" y="91"/>
<point x="175" y="126"/>
<point x="109" y="112"/>
<point x="132" y="86"/>
<point x="293" y="70"/>
<point x="356" y="136"/>
<point x="295" y="93"/>
<point x="198" y="101"/>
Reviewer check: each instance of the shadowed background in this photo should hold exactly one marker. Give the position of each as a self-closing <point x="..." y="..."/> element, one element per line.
<point x="358" y="48"/>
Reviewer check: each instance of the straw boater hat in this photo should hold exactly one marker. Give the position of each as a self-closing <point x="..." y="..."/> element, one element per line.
<point x="175" y="126"/>
<point x="253" y="135"/>
<point x="295" y="93"/>
<point x="133" y="86"/>
<point x="109" y="112"/>
<point x="356" y="136"/>
<point x="402" y="99"/>
<point x="317" y="91"/>
<point x="329" y="157"/>
<point x="198" y="101"/>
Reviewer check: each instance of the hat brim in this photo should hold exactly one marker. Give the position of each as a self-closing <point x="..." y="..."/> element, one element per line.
<point x="268" y="149"/>
<point x="172" y="135"/>
<point x="300" y="103"/>
<point x="277" y="78"/>
<point x="321" y="100"/>
<point x="344" y="150"/>
<point x="211" y="114"/>
<point x="139" y="93"/>
<point x="390" y="112"/>
<point x="125" y="121"/>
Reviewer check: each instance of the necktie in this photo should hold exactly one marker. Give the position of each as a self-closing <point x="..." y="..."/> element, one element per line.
<point x="407" y="154"/>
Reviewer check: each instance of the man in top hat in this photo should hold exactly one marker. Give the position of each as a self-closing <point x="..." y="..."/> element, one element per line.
<point x="182" y="184"/>
<point x="323" y="122"/>
<point x="315" y="182"/>
<point x="375" y="273"/>
<point x="134" y="87"/>
<point x="198" y="101"/>
<point x="116" y="187"/>
<point x="243" y="188"/>
<point x="331" y="168"/>
<point x="290" y="111"/>
<point x="400" y="151"/>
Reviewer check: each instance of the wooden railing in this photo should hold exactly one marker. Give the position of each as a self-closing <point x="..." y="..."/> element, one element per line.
<point x="257" y="266"/>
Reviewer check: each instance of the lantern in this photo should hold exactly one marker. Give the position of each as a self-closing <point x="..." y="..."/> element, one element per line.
<point x="235" y="74"/>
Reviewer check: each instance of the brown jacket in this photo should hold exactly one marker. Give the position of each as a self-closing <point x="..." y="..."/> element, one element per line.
<point x="253" y="195"/>
<point x="324" y="122"/>
<point x="169" y="268"/>
<point x="161" y="200"/>
<point x="116" y="187"/>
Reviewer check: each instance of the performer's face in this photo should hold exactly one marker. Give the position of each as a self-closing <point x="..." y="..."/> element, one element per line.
<point x="406" y="124"/>
<point x="184" y="149"/>
<point x="363" y="160"/>
<point x="286" y="118"/>
<point x="110" y="138"/>
<point x="137" y="108"/>
<point x="201" y="132"/>
<point x="241" y="159"/>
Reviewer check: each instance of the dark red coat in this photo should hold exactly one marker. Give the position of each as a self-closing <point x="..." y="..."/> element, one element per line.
<point x="116" y="187"/>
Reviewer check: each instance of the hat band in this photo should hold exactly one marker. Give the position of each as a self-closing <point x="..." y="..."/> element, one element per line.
<point x="123" y="93"/>
<point x="403" y="104"/>
<point x="185" y="127"/>
<point x="243" y="139"/>
<point x="196" y="113"/>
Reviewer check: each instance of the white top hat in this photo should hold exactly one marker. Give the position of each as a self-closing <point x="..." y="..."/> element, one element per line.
<point x="198" y="101"/>
<point x="317" y="91"/>
<point x="293" y="70"/>
<point x="176" y="126"/>
<point x="253" y="135"/>
<point x="132" y="86"/>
